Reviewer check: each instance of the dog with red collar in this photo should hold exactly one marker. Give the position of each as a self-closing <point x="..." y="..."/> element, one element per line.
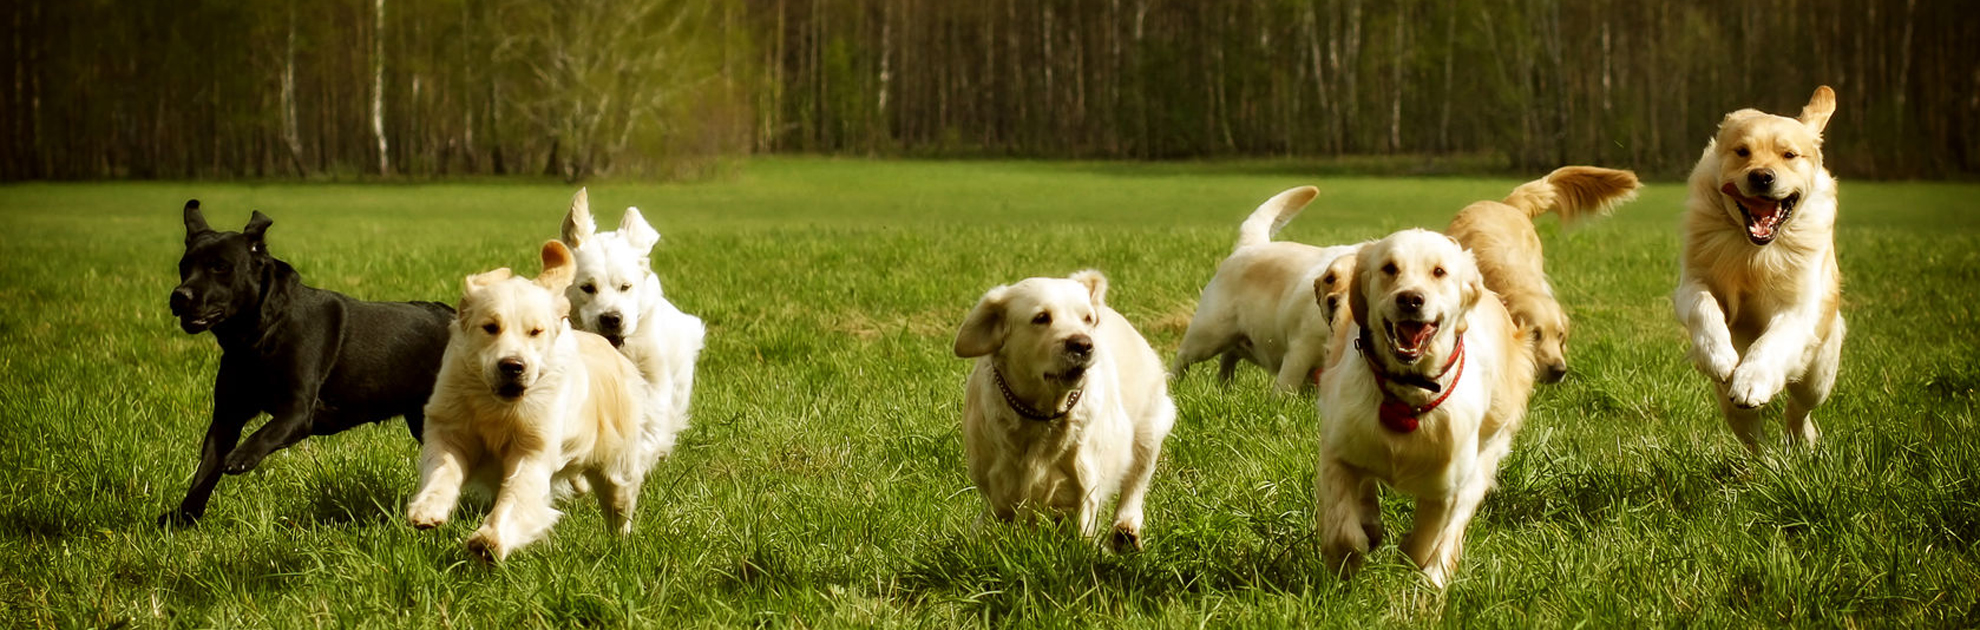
<point x="1426" y="388"/>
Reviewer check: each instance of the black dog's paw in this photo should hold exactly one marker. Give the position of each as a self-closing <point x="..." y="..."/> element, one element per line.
<point x="178" y="518"/>
<point x="240" y="461"/>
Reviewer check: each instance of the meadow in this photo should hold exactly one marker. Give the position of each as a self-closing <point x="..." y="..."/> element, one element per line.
<point x="822" y="482"/>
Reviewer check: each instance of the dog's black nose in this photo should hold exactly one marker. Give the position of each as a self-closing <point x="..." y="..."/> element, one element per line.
<point x="181" y="299"/>
<point x="510" y="367"/>
<point x="1553" y="373"/>
<point x="1409" y="301"/>
<point x="1761" y="179"/>
<point x="1079" y="344"/>
<point x="609" y="320"/>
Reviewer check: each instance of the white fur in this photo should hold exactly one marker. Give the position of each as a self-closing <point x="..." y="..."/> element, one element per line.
<point x="615" y="277"/>
<point x="1266" y="305"/>
<point x="1451" y="460"/>
<point x="1108" y="443"/>
<point x="576" y="410"/>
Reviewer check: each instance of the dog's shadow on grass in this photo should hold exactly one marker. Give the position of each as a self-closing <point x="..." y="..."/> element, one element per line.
<point x="355" y="497"/>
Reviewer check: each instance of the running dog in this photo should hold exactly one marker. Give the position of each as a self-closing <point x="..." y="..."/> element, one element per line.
<point x="1273" y="303"/>
<point x="1759" y="291"/>
<point x="525" y="403"/>
<point x="317" y="362"/>
<point x="1501" y="236"/>
<point x="615" y="294"/>
<point x="1066" y="407"/>
<point x="1427" y="402"/>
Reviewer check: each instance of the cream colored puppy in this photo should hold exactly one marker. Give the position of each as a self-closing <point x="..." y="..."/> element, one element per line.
<point x="1066" y="407"/>
<point x="522" y="402"/>
<point x="616" y="294"/>
<point x="1501" y="236"/>
<point x="1759" y="289"/>
<point x="1272" y="303"/>
<point x="1428" y="400"/>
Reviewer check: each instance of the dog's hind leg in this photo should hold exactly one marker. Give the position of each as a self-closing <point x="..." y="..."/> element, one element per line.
<point x="1813" y="389"/>
<point x="618" y="495"/>
<point x="230" y="413"/>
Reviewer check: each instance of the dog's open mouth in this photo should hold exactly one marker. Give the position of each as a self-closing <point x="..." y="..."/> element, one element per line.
<point x="616" y="340"/>
<point x="197" y="322"/>
<point x="1068" y="377"/>
<point x="510" y="391"/>
<point x="1409" y="340"/>
<point x="1764" y="217"/>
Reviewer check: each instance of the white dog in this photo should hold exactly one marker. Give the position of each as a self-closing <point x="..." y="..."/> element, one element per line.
<point x="1760" y="288"/>
<point x="523" y="402"/>
<point x="1272" y="303"/>
<point x="1428" y="403"/>
<point x="1067" y="404"/>
<point x="616" y="295"/>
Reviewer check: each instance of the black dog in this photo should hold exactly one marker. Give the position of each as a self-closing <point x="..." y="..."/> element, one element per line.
<point x="316" y="361"/>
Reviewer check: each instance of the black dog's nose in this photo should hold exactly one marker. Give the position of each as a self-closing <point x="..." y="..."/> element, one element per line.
<point x="1409" y="301"/>
<point x="1079" y="344"/>
<point x="1761" y="179"/>
<point x="609" y="320"/>
<point x="181" y="298"/>
<point x="510" y="367"/>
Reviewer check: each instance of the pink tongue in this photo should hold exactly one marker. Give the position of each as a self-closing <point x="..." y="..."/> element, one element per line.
<point x="1763" y="214"/>
<point x="1414" y="334"/>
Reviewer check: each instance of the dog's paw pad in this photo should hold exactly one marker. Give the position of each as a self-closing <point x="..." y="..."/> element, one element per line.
<point x="484" y="549"/>
<point x="1126" y="539"/>
<point x="426" y="522"/>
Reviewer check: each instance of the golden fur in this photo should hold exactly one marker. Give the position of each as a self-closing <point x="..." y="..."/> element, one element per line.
<point x="524" y="403"/>
<point x="1449" y="462"/>
<point x="1501" y="236"/>
<point x="1268" y="302"/>
<point x="1050" y="338"/>
<point x="1759" y="288"/>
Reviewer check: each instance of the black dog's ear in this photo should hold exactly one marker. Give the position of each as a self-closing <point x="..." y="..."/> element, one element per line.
<point x="195" y="221"/>
<point x="257" y="231"/>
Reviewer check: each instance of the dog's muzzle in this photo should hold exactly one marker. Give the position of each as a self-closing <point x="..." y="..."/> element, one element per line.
<point x="192" y="320"/>
<point x="510" y="384"/>
<point x="611" y="326"/>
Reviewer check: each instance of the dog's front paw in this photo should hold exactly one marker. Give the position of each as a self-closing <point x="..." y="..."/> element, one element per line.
<point x="1716" y="360"/>
<point x="241" y="461"/>
<point x="178" y="518"/>
<point x="1126" y="538"/>
<point x="486" y="546"/>
<point x="1754" y="385"/>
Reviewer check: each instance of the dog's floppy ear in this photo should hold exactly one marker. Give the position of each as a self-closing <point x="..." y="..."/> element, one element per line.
<point x="577" y="223"/>
<point x="558" y="270"/>
<point x="195" y="220"/>
<point x="637" y="233"/>
<point x="1815" y="115"/>
<point x="983" y="329"/>
<point x="1358" y="287"/>
<point x="1096" y="286"/>
<point x="257" y="232"/>
<point x="1471" y="287"/>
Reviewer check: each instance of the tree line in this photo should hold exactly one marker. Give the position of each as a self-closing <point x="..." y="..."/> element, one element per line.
<point x="669" y="88"/>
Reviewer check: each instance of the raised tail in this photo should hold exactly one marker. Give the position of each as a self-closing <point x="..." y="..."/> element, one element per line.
<point x="1275" y="213"/>
<point x="1575" y="192"/>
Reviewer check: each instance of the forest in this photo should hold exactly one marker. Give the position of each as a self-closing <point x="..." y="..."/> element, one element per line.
<point x="674" y="88"/>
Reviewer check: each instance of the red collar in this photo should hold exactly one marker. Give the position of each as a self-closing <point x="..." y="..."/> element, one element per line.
<point x="1399" y="416"/>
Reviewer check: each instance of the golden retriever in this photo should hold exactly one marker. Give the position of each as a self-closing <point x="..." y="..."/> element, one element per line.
<point x="1066" y="407"/>
<point x="1501" y="236"/>
<point x="1759" y="288"/>
<point x="523" y="402"/>
<point x="1272" y="303"/>
<point x="1428" y="402"/>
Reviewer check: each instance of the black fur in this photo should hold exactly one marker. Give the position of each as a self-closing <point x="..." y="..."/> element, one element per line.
<point x="317" y="362"/>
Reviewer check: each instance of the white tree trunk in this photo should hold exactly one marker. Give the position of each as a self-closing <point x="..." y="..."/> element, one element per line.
<point x="378" y="90"/>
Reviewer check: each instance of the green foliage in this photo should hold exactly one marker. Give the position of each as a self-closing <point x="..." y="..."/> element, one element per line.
<point x="822" y="483"/>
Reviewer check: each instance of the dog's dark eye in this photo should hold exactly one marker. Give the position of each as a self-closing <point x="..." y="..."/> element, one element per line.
<point x="1042" y="319"/>
<point x="1329" y="279"/>
<point x="1742" y="152"/>
<point x="535" y="332"/>
<point x="625" y="287"/>
<point x="1438" y="272"/>
<point x="1790" y="155"/>
<point x="588" y="288"/>
<point x="492" y="329"/>
<point x="1389" y="269"/>
<point x="221" y="269"/>
<point x="1536" y="336"/>
<point x="1089" y="320"/>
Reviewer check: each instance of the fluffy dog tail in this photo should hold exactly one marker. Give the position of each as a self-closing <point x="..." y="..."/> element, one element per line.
<point x="1575" y="192"/>
<point x="1275" y="213"/>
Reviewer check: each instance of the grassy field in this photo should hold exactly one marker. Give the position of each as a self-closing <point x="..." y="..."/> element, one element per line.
<point x="822" y="483"/>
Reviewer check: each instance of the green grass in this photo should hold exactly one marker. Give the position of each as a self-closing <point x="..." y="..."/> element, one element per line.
<point x="822" y="483"/>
